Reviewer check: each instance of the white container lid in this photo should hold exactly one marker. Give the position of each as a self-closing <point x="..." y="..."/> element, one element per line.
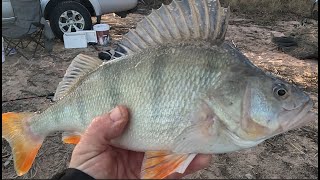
<point x="101" y="27"/>
<point x="75" y="40"/>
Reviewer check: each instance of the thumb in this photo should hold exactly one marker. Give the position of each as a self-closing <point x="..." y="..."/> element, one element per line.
<point x="105" y="127"/>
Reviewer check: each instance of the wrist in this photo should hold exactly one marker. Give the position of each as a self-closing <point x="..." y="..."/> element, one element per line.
<point x="72" y="173"/>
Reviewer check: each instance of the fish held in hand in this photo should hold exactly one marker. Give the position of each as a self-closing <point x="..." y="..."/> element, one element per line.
<point x="188" y="92"/>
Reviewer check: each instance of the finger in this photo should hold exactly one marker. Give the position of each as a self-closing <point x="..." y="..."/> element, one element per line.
<point x="105" y="127"/>
<point x="199" y="162"/>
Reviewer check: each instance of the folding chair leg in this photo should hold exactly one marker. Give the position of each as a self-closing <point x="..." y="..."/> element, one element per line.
<point x="22" y="54"/>
<point x="25" y="45"/>
<point x="37" y="42"/>
<point x="7" y="50"/>
<point x="11" y="44"/>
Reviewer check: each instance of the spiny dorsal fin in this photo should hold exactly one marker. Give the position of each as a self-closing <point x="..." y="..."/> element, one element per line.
<point x="180" y="21"/>
<point x="80" y="66"/>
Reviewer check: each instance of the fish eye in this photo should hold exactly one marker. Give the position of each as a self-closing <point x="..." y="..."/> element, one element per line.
<point x="280" y="91"/>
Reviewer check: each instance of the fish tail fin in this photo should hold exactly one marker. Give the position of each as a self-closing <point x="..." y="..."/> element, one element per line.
<point x="23" y="143"/>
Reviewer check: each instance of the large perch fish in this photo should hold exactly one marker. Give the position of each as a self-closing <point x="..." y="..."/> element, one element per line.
<point x="188" y="92"/>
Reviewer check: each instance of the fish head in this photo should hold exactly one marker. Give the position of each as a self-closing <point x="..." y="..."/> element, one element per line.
<point x="272" y="106"/>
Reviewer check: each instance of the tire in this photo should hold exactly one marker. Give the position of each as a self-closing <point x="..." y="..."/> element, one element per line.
<point x="122" y="14"/>
<point x="69" y="14"/>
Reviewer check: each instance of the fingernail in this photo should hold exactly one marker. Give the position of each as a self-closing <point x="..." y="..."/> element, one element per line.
<point x="115" y="114"/>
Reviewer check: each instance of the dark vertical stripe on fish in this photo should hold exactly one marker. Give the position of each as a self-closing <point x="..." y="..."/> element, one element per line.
<point x="113" y="86"/>
<point x="80" y="108"/>
<point x="158" y="70"/>
<point x="56" y="117"/>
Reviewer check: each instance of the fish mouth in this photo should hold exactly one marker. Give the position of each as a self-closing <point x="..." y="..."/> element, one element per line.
<point x="287" y="119"/>
<point x="292" y="119"/>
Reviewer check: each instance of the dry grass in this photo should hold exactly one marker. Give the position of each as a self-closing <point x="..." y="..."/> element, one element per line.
<point x="264" y="11"/>
<point x="300" y="7"/>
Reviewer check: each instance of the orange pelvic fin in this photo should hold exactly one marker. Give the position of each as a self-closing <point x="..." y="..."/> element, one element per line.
<point x="71" y="137"/>
<point x="24" y="144"/>
<point x="160" y="164"/>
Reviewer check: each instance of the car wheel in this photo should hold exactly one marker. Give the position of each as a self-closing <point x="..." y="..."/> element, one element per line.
<point x="69" y="16"/>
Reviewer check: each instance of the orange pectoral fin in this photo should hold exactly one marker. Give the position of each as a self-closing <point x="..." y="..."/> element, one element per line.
<point x="71" y="138"/>
<point x="160" y="164"/>
<point x="24" y="144"/>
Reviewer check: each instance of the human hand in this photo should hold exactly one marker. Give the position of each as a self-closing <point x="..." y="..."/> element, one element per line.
<point x="95" y="156"/>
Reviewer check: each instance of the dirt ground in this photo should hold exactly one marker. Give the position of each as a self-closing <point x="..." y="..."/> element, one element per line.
<point x="290" y="155"/>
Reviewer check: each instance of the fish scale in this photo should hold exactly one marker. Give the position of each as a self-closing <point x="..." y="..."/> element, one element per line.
<point x="188" y="93"/>
<point x="128" y="93"/>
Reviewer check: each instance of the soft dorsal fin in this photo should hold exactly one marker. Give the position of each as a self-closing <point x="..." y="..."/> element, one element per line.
<point x="80" y="66"/>
<point x="180" y="21"/>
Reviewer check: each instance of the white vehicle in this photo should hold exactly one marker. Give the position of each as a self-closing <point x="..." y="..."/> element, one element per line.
<point x="73" y="15"/>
